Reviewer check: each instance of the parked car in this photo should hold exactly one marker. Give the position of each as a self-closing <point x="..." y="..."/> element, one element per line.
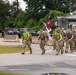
<point x="33" y="32"/>
<point x="15" y="31"/>
<point x="9" y="31"/>
<point x="12" y="31"/>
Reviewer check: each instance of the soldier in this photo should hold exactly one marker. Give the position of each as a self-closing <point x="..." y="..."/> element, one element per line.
<point x="69" y="40"/>
<point x="26" y="41"/>
<point x="74" y="38"/>
<point x="54" y="40"/>
<point x="63" y="33"/>
<point x="59" y="44"/>
<point x="43" y="37"/>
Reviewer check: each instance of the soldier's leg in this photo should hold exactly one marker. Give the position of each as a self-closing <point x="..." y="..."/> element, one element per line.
<point x="67" y="47"/>
<point x="54" y="45"/>
<point x="71" y="46"/>
<point x="24" y="46"/>
<point x="57" y="48"/>
<point x="75" y="46"/>
<point x="61" y="46"/>
<point x="29" y="46"/>
<point x="42" y="45"/>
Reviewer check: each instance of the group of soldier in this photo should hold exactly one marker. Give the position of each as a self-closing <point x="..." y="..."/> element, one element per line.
<point x="63" y="40"/>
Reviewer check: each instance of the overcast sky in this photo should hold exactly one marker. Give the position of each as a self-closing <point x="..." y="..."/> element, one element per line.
<point x="22" y="4"/>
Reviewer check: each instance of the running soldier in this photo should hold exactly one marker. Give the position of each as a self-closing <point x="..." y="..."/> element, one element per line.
<point x="74" y="38"/>
<point x="43" y="37"/>
<point x="63" y="33"/>
<point x="59" y="44"/>
<point x="69" y="41"/>
<point x="54" y="40"/>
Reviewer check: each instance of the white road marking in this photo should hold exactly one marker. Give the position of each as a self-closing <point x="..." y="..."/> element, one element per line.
<point x="17" y="69"/>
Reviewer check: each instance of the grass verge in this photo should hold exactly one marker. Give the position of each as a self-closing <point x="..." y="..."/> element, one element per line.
<point x="4" y="73"/>
<point x="0" y="35"/>
<point x="10" y="49"/>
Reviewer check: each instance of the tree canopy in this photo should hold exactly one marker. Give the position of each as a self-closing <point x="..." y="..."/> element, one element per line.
<point x="37" y="12"/>
<point x="39" y="8"/>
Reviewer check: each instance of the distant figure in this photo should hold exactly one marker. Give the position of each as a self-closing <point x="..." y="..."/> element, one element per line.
<point x="54" y="40"/>
<point x="69" y="40"/>
<point x="26" y="41"/>
<point x="58" y="41"/>
<point x="74" y="38"/>
<point x="3" y="33"/>
<point x="63" y="33"/>
<point x="43" y="37"/>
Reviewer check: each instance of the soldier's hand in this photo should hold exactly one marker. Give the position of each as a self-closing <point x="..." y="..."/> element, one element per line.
<point x="38" y="41"/>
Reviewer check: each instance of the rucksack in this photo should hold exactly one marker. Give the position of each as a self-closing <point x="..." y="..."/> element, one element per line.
<point x="46" y="36"/>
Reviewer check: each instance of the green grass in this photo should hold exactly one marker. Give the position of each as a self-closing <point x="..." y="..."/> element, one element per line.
<point x="4" y="73"/>
<point x="10" y="49"/>
<point x="0" y="35"/>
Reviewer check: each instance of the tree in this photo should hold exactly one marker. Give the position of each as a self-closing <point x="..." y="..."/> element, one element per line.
<point x="4" y="13"/>
<point x="14" y="11"/>
<point x="19" y="21"/>
<point x="39" y="8"/>
<point x="17" y="5"/>
<point x="36" y="8"/>
<point x="73" y="5"/>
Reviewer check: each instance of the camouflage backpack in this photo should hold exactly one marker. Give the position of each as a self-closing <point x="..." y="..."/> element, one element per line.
<point x="46" y="36"/>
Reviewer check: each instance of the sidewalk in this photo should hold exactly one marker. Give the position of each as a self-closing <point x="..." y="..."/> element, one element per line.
<point x="10" y="43"/>
<point x="34" y="41"/>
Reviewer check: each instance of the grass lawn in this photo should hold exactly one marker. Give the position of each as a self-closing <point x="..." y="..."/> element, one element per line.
<point x="10" y="49"/>
<point x="0" y="35"/>
<point x="4" y="73"/>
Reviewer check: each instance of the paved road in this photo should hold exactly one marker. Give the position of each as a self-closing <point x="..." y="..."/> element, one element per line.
<point x="37" y="64"/>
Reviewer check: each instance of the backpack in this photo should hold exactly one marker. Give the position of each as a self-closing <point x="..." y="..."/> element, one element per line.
<point x="46" y="36"/>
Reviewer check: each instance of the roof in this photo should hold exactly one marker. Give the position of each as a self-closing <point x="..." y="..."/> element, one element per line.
<point x="67" y="17"/>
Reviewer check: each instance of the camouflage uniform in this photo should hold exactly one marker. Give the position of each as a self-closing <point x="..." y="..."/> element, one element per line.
<point x="54" y="40"/>
<point x="59" y="43"/>
<point x="69" y="41"/>
<point x="43" y="37"/>
<point x="26" y="42"/>
<point x="63" y="33"/>
<point x="74" y="40"/>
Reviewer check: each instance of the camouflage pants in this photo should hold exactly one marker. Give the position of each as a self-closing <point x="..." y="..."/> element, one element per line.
<point x="42" y="45"/>
<point x="74" y="40"/>
<point x="59" y="46"/>
<point x="25" y="44"/>
<point x="69" y="44"/>
<point x="54" y="44"/>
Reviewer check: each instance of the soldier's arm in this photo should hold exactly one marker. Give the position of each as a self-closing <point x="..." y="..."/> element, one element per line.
<point x="71" y="38"/>
<point x="39" y="37"/>
<point x="28" y="35"/>
<point x="22" y="39"/>
<point x="60" y="37"/>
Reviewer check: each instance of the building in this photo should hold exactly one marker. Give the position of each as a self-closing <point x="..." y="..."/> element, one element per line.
<point x="66" y="22"/>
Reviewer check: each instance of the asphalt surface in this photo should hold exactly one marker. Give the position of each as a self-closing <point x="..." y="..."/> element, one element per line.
<point x="37" y="64"/>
